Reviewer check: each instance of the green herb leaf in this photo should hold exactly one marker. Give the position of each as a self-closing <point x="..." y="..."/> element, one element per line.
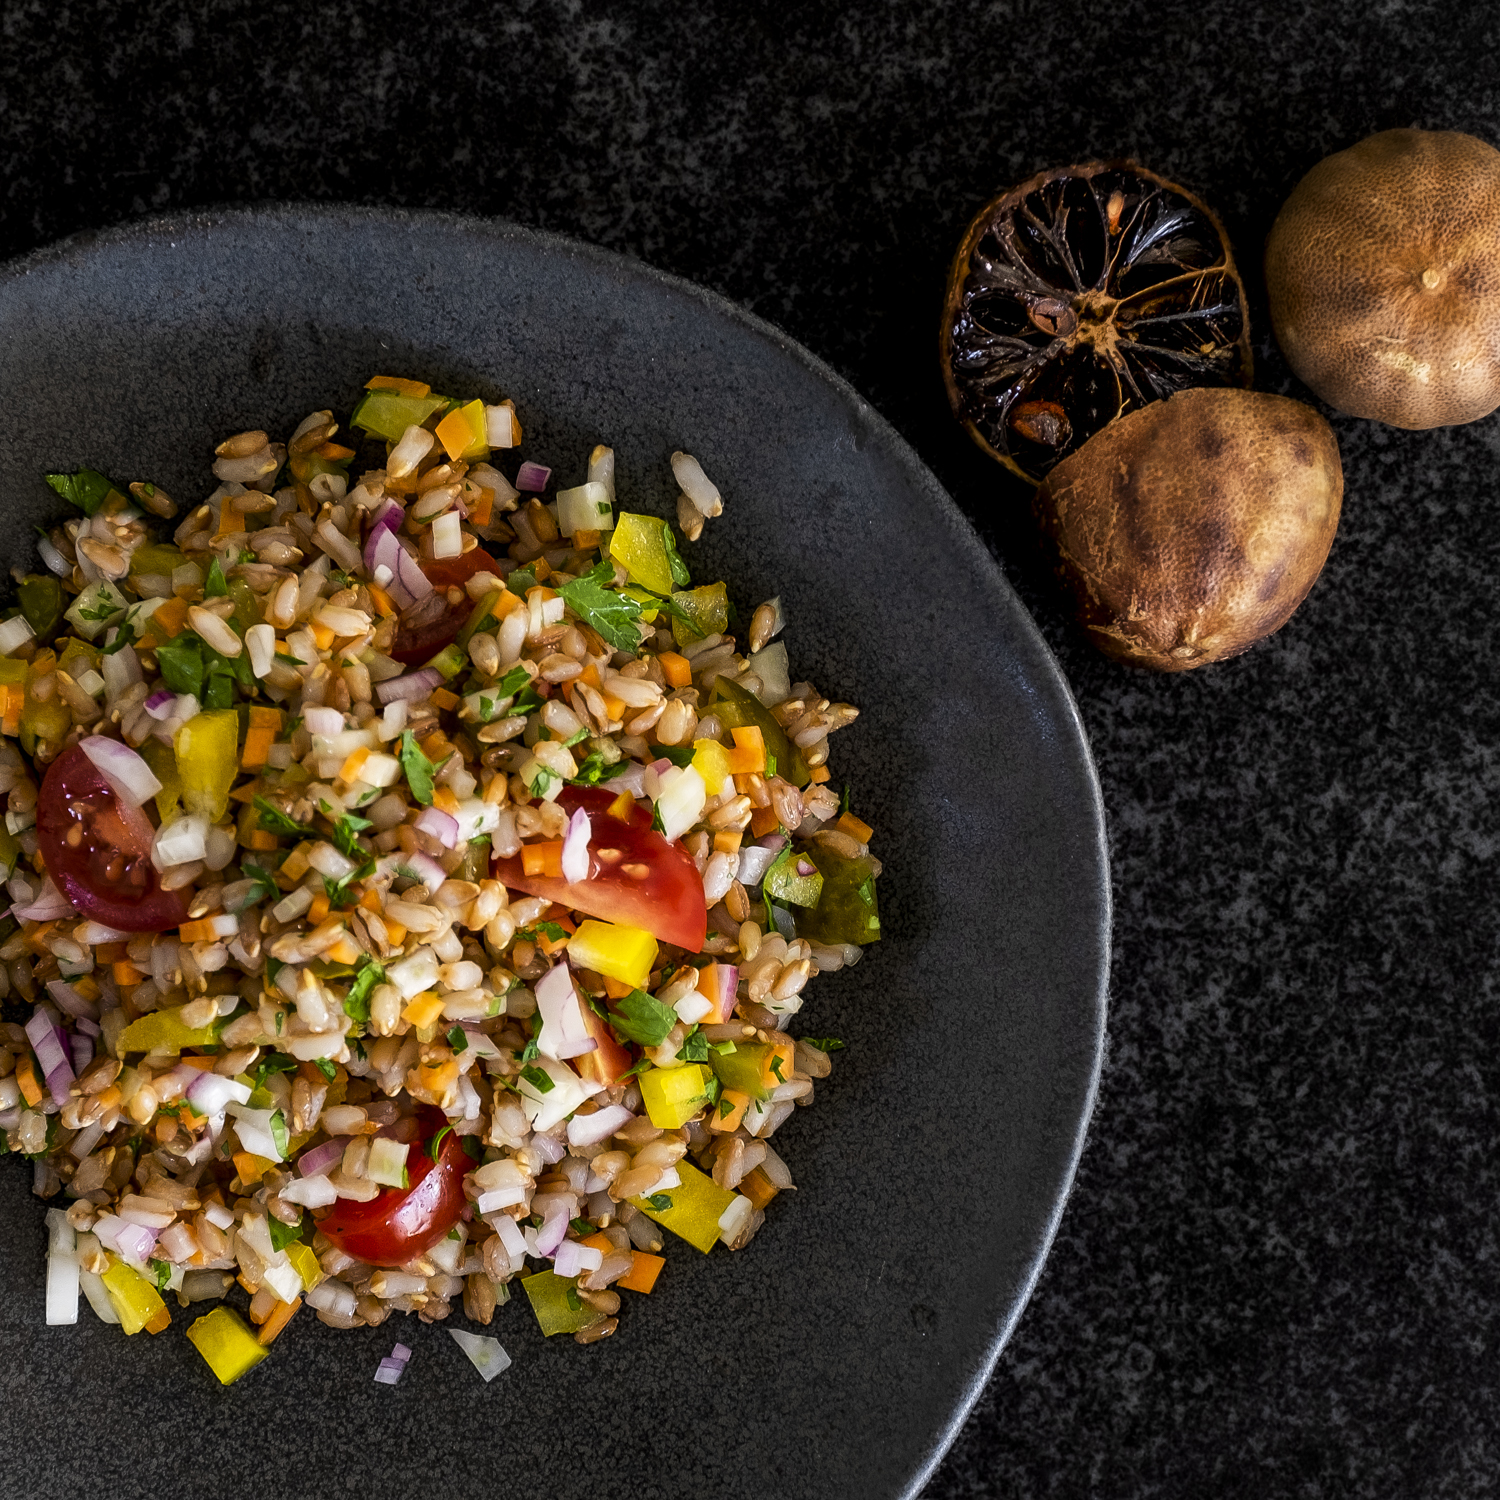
<point x="263" y="888"/>
<point x="346" y="833"/>
<point x="844" y="800"/>
<point x="822" y="1043"/>
<point x="550" y="930"/>
<point x="595" y="769"/>
<point x="573" y="739"/>
<point x="521" y="580"/>
<point x="124" y="633"/>
<point x="86" y="489"/>
<point x="326" y="1068"/>
<point x="640" y="1067"/>
<point x="180" y="661"/>
<point x="357" y="1001"/>
<point x="770" y="764"/>
<point x="161" y="1272"/>
<point x="512" y="683"/>
<point x="656" y="822"/>
<point x="538" y="1079"/>
<point x="680" y="575"/>
<point x="643" y="1019"/>
<point x="679" y="755"/>
<point x="277" y="1062"/>
<point x="530" y="1050"/>
<point x="726" y="1108"/>
<point x="215" y="587"/>
<point x="419" y="770"/>
<point x="611" y="615"/>
<point x="289" y="661"/>
<point x="458" y="1039"/>
<point x="776" y="1067"/>
<point x="279" y="1131"/>
<point x="661" y="1202"/>
<point x="474" y="1147"/>
<point x="273" y="820"/>
<point x="544" y="782"/>
<point x="581" y="1226"/>
<point x="435" y="1145"/>
<point x="723" y="1048"/>
<point x="695" y="1047"/>
<point x="282" y="1235"/>
<point x="575" y="1302"/>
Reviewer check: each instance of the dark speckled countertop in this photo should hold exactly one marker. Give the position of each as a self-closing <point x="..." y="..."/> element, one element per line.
<point x="1277" y="1271"/>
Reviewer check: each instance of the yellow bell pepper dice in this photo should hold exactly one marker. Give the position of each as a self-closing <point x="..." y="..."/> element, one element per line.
<point x="12" y="672"/>
<point x="304" y="1262"/>
<point x="639" y="545"/>
<point x="226" y="1342"/>
<point x="711" y="761"/>
<point x="134" y="1298"/>
<point x="672" y="1096"/>
<point x="463" y="432"/>
<point x="692" y="1210"/>
<point x="208" y="760"/>
<point x="615" y="950"/>
<point x="163" y="762"/>
<point x="556" y="1303"/>
<point x="163" y="1031"/>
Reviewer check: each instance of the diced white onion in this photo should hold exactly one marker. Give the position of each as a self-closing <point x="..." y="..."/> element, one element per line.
<point x="735" y="1218"/>
<point x="15" y="632"/>
<point x="180" y="842"/>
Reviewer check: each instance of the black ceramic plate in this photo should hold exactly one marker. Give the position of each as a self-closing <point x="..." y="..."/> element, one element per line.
<point x="838" y="1354"/>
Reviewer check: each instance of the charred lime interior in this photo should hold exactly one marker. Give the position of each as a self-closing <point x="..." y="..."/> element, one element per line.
<point x="1081" y="295"/>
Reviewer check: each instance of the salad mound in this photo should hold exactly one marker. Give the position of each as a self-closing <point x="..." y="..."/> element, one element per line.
<point x="412" y="883"/>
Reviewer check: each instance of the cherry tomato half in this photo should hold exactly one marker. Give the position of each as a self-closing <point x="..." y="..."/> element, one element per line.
<point x="398" y="1224"/>
<point x="635" y="875"/>
<point x="412" y="647"/>
<point x="98" y="851"/>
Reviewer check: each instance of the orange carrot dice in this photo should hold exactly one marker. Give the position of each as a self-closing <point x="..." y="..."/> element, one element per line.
<point x="644" y="1269"/>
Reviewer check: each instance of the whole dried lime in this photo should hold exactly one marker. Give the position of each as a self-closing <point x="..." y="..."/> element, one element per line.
<point x="1080" y="295"/>
<point x="1193" y="528"/>
<point x="1383" y="271"/>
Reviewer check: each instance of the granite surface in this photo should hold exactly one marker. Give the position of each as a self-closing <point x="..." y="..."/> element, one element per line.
<point x="1276" y="1275"/>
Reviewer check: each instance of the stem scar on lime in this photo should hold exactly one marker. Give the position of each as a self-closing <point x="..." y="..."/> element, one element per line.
<point x="1085" y="293"/>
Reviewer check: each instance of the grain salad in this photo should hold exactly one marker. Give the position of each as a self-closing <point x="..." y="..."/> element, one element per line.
<point x="412" y="884"/>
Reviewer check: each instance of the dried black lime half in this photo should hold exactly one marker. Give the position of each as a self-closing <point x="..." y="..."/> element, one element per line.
<point x="1081" y="295"/>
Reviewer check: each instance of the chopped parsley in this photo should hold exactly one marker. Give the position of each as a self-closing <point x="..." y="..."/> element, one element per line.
<point x="643" y="1019"/>
<point x="161" y="1270"/>
<point x="273" y="820"/>
<point x="357" y="1001"/>
<point x="458" y="1039"/>
<point x="279" y="1131"/>
<point x="86" y="489"/>
<point x="575" y="1302"/>
<point x="610" y="615"/>
<point x="215" y="586"/>
<point x="549" y="930"/>
<point x="346" y="831"/>
<point x="419" y="770"/>
<point x="660" y="1202"/>
<point x="326" y="1067"/>
<point x="680" y="575"/>
<point x="679" y="755"/>
<point x="726" y="1108"/>
<point x="512" y="683"/>
<point x="282" y="1235"/>
<point x="596" y="769"/>
<point x="695" y="1047"/>
<point x="544" y="782"/>
<point x="822" y="1043"/>
<point x="776" y="1067"/>
<point x="540" y="1080"/>
<point x="277" y="1062"/>
<point x="580" y="1226"/>
<point x="262" y="886"/>
<point x="289" y="661"/>
<point x="770" y="765"/>
<point x="435" y="1145"/>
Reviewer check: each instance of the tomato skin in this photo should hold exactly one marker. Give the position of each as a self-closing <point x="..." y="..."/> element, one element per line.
<point x="399" y="1224"/>
<point x="667" y="902"/>
<point x="413" y="647"/>
<point x="131" y="898"/>
<point x="609" y="1061"/>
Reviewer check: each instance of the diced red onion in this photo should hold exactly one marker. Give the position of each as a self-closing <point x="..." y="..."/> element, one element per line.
<point x="775" y="842"/>
<point x="401" y="1352"/>
<point x="388" y="1371"/>
<point x="83" y="1051"/>
<point x="321" y="1159"/>
<point x="412" y="686"/>
<point x="209" y="1093"/>
<point x="388" y="517"/>
<point x="132" y="779"/>
<point x="572" y="1258"/>
<point x="554" y="1230"/>
<point x="564" y="1033"/>
<point x="728" y="977"/>
<point x="49" y="906"/>
<point x="87" y="1026"/>
<point x="588" y="1130"/>
<point x="381" y="552"/>
<point x="533" y="477"/>
<point x="427" y="869"/>
<point x="632" y="781"/>
<point x="806" y="867"/>
<point x="442" y="826"/>
<point x="410" y="577"/>
<point x="69" y="1001"/>
<point x="44" y="1037"/>
<point x="160" y="704"/>
<point x="661" y="766"/>
<point x="320" y="720"/>
<point x="754" y="862"/>
<point x="575" y="852"/>
<point x="550" y="1145"/>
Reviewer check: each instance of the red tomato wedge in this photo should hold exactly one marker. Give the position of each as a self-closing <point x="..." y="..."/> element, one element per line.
<point x="414" y="646"/>
<point x="635" y="875"/>
<point x="98" y="851"/>
<point x="398" y="1224"/>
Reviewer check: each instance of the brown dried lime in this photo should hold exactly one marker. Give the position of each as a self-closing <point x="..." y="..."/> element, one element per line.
<point x="1383" y="271"/>
<point x="1081" y="295"/>
<point x="1192" y="528"/>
